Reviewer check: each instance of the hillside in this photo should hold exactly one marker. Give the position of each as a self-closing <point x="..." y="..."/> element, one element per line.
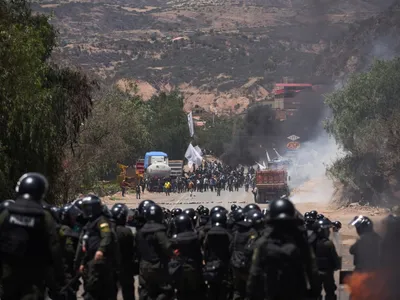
<point x="223" y="54"/>
<point x="375" y="37"/>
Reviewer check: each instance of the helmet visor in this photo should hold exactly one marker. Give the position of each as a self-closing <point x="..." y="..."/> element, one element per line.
<point x="355" y="221"/>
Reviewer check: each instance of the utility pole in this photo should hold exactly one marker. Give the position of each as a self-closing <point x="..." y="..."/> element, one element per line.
<point x="234" y="124"/>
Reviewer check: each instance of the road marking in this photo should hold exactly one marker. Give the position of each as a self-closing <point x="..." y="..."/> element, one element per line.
<point x="178" y="201"/>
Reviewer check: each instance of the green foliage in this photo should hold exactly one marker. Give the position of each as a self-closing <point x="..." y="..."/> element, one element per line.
<point x="365" y="122"/>
<point x="116" y="131"/>
<point x="167" y="124"/>
<point x="41" y="106"/>
<point x="122" y="128"/>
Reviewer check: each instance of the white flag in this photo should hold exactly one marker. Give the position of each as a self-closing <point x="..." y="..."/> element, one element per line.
<point x="193" y="156"/>
<point x="199" y="150"/>
<point x="190" y="123"/>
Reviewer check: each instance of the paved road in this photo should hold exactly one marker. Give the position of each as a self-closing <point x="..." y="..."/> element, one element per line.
<point x="208" y="199"/>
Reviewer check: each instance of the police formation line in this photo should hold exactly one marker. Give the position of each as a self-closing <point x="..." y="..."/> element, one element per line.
<point x="244" y="253"/>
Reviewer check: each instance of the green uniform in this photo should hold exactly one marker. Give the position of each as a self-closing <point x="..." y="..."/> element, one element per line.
<point x="127" y="255"/>
<point x="290" y="256"/>
<point x="328" y="262"/>
<point x="154" y="251"/>
<point x="29" y="249"/>
<point x="98" y="275"/>
<point x="69" y="244"/>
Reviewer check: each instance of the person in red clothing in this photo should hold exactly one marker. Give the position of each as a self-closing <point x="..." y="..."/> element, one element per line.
<point x="124" y="185"/>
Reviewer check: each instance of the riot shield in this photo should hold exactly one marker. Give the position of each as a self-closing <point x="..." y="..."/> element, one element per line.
<point x="337" y="241"/>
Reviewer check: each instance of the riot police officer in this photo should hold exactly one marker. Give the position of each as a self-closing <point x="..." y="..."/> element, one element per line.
<point x="251" y="206"/>
<point x="328" y="260"/>
<point x="217" y="256"/>
<point x="126" y="247"/>
<point x="240" y="260"/>
<point x="99" y="249"/>
<point x="141" y="217"/>
<point x="366" y="249"/>
<point x="71" y="227"/>
<point x="29" y="243"/>
<point x="192" y="214"/>
<point x="187" y="265"/>
<point x="154" y="252"/>
<point x="283" y="250"/>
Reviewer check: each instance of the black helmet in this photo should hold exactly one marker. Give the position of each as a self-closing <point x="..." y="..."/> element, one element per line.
<point x="176" y="212"/>
<point x="191" y="213"/>
<point x="282" y="210"/>
<point x="33" y="184"/>
<point x="70" y="215"/>
<point x="143" y="205"/>
<point x="233" y="207"/>
<point x="254" y="217"/>
<point x="238" y="215"/>
<point x="218" y="219"/>
<point x="309" y="222"/>
<point x="307" y="214"/>
<point x="56" y="213"/>
<point x="205" y="211"/>
<point x="320" y="216"/>
<point x="92" y="207"/>
<point x="106" y="212"/>
<point x="154" y="213"/>
<point x="119" y="213"/>
<point x="336" y="226"/>
<point x="183" y="223"/>
<point x="362" y="224"/>
<point x="5" y="204"/>
<point x="199" y="208"/>
<point x="251" y="206"/>
<point x="166" y="212"/>
<point x="322" y="227"/>
<point x="78" y="203"/>
<point x="133" y="215"/>
<point x="217" y="209"/>
<point x="314" y="214"/>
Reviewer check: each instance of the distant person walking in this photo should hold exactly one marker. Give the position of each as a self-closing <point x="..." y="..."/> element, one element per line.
<point x="254" y="191"/>
<point x="167" y="187"/>
<point x="124" y="185"/>
<point x="138" y="191"/>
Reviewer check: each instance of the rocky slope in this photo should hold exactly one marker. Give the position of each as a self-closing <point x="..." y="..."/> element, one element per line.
<point x="223" y="54"/>
<point x="376" y="37"/>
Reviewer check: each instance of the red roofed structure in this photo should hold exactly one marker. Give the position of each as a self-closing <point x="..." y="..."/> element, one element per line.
<point x="285" y="95"/>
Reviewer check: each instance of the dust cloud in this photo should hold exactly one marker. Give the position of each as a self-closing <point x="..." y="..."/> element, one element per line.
<point x="308" y="174"/>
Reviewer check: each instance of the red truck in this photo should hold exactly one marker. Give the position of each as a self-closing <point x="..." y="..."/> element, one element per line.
<point x="271" y="185"/>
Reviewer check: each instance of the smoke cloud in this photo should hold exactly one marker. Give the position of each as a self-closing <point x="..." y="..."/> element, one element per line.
<point x="308" y="174"/>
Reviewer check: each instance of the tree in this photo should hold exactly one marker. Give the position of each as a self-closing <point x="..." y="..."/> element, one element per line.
<point x="41" y="106"/>
<point x="167" y="124"/>
<point x="116" y="131"/>
<point x="365" y="122"/>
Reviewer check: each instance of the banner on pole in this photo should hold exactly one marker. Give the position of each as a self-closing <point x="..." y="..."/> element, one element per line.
<point x="190" y="123"/>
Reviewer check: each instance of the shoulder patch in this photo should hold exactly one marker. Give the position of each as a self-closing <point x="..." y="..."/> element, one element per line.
<point x="104" y="225"/>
